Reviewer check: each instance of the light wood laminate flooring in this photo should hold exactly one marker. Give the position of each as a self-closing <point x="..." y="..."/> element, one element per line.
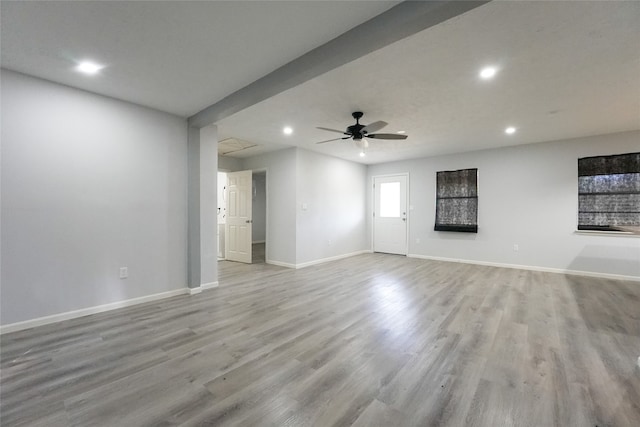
<point x="372" y="340"/>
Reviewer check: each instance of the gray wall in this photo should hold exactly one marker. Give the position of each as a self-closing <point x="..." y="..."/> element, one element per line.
<point x="333" y="191"/>
<point x="89" y="184"/>
<point x="527" y="196"/>
<point x="259" y="208"/>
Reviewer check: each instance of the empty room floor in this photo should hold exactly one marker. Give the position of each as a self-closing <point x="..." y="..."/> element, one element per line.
<point x="369" y="340"/>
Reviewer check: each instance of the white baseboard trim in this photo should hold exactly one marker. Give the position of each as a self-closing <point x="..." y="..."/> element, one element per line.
<point x="333" y="258"/>
<point x="317" y="261"/>
<point x="280" y="264"/>
<point x="531" y="267"/>
<point x="40" y="321"/>
<point x="204" y="286"/>
<point x="209" y="285"/>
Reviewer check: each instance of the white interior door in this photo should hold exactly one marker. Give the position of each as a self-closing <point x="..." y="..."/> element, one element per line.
<point x="237" y="234"/>
<point x="390" y="214"/>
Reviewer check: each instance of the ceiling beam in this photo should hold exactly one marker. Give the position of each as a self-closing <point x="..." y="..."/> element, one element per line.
<point x="399" y="22"/>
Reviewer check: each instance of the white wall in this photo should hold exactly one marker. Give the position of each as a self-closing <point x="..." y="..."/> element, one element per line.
<point x="333" y="192"/>
<point x="89" y="184"/>
<point x="281" y="207"/>
<point x="259" y="207"/>
<point x="527" y="196"/>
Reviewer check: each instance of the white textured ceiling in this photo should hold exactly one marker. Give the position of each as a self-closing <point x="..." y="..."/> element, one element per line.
<point x="567" y="69"/>
<point x="175" y="56"/>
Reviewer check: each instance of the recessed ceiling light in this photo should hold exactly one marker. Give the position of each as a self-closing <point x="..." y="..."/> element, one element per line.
<point x="401" y="132"/>
<point x="510" y="130"/>
<point x="488" y="73"/>
<point x="287" y="130"/>
<point x="362" y="154"/>
<point x="89" y="67"/>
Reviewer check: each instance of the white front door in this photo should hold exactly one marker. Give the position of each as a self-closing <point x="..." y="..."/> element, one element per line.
<point x="390" y="214"/>
<point x="237" y="234"/>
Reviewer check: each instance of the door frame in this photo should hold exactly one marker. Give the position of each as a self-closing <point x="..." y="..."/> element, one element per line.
<point x="373" y="207"/>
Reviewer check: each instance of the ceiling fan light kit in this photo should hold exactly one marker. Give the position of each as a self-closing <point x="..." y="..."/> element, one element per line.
<point x="360" y="133"/>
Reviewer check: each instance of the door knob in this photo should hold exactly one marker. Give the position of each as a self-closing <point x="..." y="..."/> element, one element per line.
<point x="248" y="221"/>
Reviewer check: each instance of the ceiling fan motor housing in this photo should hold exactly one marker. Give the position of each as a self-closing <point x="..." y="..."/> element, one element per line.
<point x="356" y="131"/>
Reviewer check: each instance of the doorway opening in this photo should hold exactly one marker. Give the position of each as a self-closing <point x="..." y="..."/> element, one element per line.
<point x="259" y="215"/>
<point x="242" y="216"/>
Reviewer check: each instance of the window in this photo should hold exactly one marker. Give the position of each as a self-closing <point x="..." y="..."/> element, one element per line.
<point x="457" y="201"/>
<point x="390" y="200"/>
<point x="609" y="192"/>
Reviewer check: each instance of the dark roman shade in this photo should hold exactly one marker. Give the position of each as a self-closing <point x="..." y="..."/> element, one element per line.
<point x="457" y="201"/>
<point x="609" y="192"/>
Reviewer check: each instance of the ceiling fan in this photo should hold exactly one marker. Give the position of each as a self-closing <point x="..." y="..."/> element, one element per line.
<point x="359" y="132"/>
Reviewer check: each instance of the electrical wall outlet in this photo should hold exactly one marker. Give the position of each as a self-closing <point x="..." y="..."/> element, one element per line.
<point x="516" y="248"/>
<point x="418" y="240"/>
<point x="124" y="272"/>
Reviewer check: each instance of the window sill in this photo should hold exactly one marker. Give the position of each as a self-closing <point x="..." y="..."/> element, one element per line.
<point x="456" y="228"/>
<point x="606" y="233"/>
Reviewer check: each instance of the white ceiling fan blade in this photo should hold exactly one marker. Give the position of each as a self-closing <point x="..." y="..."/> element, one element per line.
<point x="329" y="140"/>
<point x="333" y="130"/>
<point x="372" y="127"/>
<point x="386" y="136"/>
